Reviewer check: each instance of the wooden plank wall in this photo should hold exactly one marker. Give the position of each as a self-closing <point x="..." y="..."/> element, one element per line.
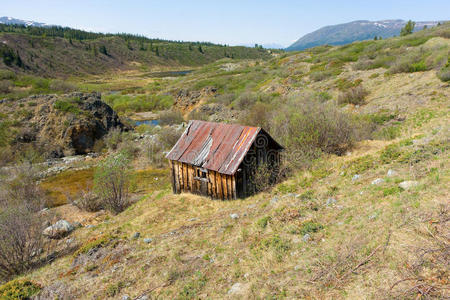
<point x="220" y="186"/>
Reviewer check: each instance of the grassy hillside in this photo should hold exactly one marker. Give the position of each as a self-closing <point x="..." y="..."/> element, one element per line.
<point x="62" y="52"/>
<point x="361" y="217"/>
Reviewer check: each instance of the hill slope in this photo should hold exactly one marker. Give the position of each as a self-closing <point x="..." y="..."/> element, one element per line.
<point x="354" y="31"/>
<point x="56" y="51"/>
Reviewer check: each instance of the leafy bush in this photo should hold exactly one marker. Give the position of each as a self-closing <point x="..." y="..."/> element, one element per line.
<point x="5" y="133"/>
<point x="19" y="289"/>
<point x="20" y="227"/>
<point x="411" y="62"/>
<point x="95" y="243"/>
<point x="444" y="73"/>
<point x="390" y="153"/>
<point x="354" y="95"/>
<point x="310" y="227"/>
<point x="128" y="103"/>
<point x="246" y="100"/>
<point x="66" y="106"/>
<point x="169" y="136"/>
<point x="114" y="289"/>
<point x="308" y="128"/>
<point x="225" y="99"/>
<point x="258" y="115"/>
<point x="88" y="201"/>
<point x="62" y="86"/>
<point x="320" y="75"/>
<point x="5" y="86"/>
<point x="198" y="115"/>
<point x="387" y="133"/>
<point x="6" y="74"/>
<point x="115" y="137"/>
<point x="170" y="117"/>
<point x="112" y="180"/>
<point x="264" y="221"/>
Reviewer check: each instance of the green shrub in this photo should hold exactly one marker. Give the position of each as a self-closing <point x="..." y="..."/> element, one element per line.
<point x="112" y="181"/>
<point x="19" y="289"/>
<point x="361" y="164"/>
<point x="61" y="86"/>
<point x="279" y="245"/>
<point x="390" y="154"/>
<point x="344" y="84"/>
<point x="191" y="289"/>
<point x="391" y="191"/>
<point x="310" y="227"/>
<point x="263" y="221"/>
<point x="308" y="128"/>
<point x="6" y="74"/>
<point x="114" y="289"/>
<point x="67" y="107"/>
<point x="321" y="75"/>
<point x="354" y="95"/>
<point x="260" y="115"/>
<point x="128" y="103"/>
<point x="170" y="117"/>
<point x="169" y="136"/>
<point x="198" y="115"/>
<point x="225" y="99"/>
<point x="5" y="86"/>
<point x="382" y="117"/>
<point x="411" y="62"/>
<point x="99" y="242"/>
<point x="116" y="137"/>
<point x="388" y="133"/>
<point x="444" y="73"/>
<point x="381" y="61"/>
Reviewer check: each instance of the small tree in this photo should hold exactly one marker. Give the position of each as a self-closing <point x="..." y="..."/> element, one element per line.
<point x="21" y="239"/>
<point x="408" y="29"/>
<point x="103" y="50"/>
<point x="112" y="180"/>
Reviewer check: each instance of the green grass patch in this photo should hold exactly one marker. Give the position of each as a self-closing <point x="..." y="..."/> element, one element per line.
<point x="310" y="227"/>
<point x="99" y="242"/>
<point x="19" y="289"/>
<point x="262" y="223"/>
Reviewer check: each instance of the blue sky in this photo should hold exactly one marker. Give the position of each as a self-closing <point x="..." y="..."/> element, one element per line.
<point x="230" y="22"/>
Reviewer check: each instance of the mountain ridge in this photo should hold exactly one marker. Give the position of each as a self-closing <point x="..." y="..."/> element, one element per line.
<point x="358" y="30"/>
<point x="13" y="21"/>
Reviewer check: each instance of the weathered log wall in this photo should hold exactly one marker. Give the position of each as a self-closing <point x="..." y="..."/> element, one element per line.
<point x="215" y="185"/>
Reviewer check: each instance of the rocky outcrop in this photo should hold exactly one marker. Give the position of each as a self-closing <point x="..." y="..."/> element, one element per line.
<point x="64" y="124"/>
<point x="186" y="100"/>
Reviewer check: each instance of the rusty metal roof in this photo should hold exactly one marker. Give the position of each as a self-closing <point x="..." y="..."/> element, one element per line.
<point x="214" y="146"/>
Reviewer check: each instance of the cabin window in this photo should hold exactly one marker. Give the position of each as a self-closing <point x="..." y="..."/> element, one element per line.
<point x="201" y="173"/>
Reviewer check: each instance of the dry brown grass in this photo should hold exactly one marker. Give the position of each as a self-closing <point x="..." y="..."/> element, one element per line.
<point x="376" y="241"/>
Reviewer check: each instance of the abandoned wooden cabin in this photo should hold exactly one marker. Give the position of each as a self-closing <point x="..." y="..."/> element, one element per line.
<point x="220" y="160"/>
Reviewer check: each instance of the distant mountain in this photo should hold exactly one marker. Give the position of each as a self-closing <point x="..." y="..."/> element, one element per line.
<point x="354" y="31"/>
<point x="12" y="21"/>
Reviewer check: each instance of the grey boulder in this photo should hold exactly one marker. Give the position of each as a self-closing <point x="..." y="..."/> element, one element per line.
<point x="58" y="230"/>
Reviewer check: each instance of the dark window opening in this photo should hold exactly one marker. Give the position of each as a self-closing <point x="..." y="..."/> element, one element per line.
<point x="201" y="173"/>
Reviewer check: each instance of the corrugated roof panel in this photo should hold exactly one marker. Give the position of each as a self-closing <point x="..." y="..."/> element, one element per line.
<point x="214" y="146"/>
